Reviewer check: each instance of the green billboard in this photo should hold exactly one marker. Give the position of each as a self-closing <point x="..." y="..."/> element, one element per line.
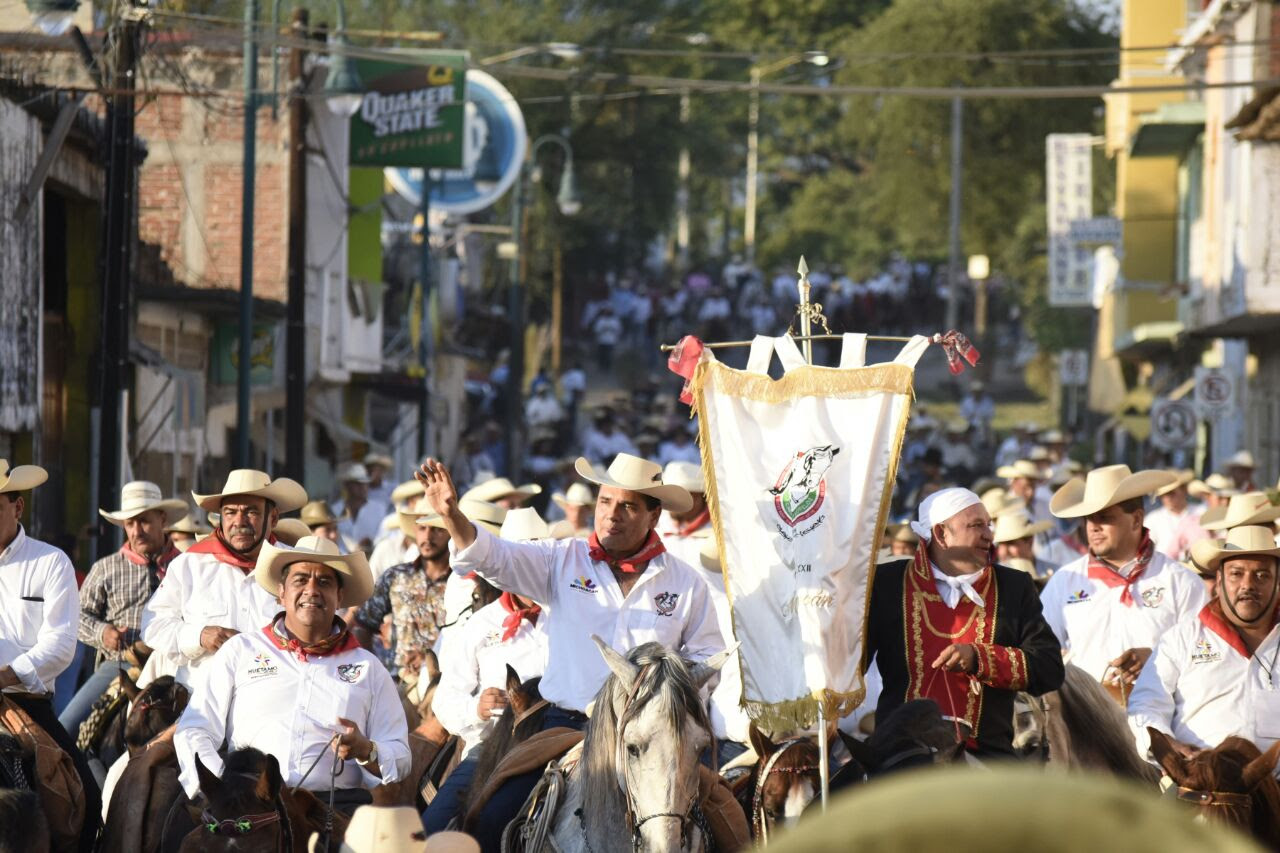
<point x="413" y="111"/>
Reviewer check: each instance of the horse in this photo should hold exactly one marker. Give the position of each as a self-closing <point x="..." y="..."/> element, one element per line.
<point x="250" y="809"/>
<point x="522" y="719"/>
<point x="426" y="738"/>
<point x="1087" y="730"/>
<point x="782" y="782"/>
<point x="636" y="784"/>
<point x="1232" y="783"/>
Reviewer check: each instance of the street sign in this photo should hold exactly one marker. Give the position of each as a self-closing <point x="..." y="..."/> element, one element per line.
<point x="1069" y="198"/>
<point x="1173" y="424"/>
<point x="1215" y="392"/>
<point x="1096" y="231"/>
<point x="1073" y="367"/>
<point x="411" y="114"/>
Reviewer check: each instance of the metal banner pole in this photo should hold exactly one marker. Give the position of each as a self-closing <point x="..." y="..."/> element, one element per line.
<point x="824" y="761"/>
<point x="803" y="285"/>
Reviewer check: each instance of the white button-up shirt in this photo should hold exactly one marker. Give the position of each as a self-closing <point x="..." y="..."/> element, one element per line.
<point x="668" y="604"/>
<point x="1201" y="690"/>
<point x="475" y="658"/>
<point x="199" y="591"/>
<point x="39" y="612"/>
<point x="367" y="523"/>
<point x="257" y="695"/>
<point x="1095" y="627"/>
<point x="1173" y="532"/>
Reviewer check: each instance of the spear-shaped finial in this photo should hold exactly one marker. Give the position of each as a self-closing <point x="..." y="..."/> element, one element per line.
<point x="803" y="269"/>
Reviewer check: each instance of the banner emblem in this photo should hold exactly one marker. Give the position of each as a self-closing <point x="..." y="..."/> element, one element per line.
<point x="802" y="486"/>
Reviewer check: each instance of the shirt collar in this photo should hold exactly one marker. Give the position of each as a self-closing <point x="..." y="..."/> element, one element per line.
<point x="8" y="554"/>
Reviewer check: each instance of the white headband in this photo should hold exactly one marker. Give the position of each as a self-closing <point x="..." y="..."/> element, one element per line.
<point x="939" y="507"/>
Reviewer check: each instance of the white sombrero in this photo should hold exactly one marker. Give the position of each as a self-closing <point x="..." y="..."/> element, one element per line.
<point x="357" y="586"/>
<point x="482" y="513"/>
<point x="1012" y="526"/>
<point x="139" y="497"/>
<point x="21" y="478"/>
<point x="190" y="525"/>
<point x="392" y="829"/>
<point x="685" y="474"/>
<point x="578" y="494"/>
<point x="1022" y="469"/>
<point x="1241" y="511"/>
<point x="1246" y="541"/>
<point x="637" y="475"/>
<point x="354" y="473"/>
<point x="1242" y="459"/>
<point x="998" y="501"/>
<point x="524" y="524"/>
<point x="1104" y="487"/>
<point x="406" y="491"/>
<point x="286" y="494"/>
<point x="290" y="530"/>
<point x="1184" y="478"/>
<point x="492" y="491"/>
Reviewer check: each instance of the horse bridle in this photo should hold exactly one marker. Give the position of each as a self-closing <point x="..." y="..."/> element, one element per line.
<point x="757" y="797"/>
<point x="245" y="824"/>
<point x="1226" y="799"/>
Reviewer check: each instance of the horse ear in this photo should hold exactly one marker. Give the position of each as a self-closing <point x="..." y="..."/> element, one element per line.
<point x="269" y="780"/>
<point x="431" y="666"/>
<point x="1261" y="767"/>
<point x="210" y="784"/>
<point x="513" y="679"/>
<point x="760" y="742"/>
<point x="701" y="672"/>
<point x="861" y="752"/>
<point x="625" y="670"/>
<point x="181" y="696"/>
<point x="128" y="686"/>
<point x="1166" y="755"/>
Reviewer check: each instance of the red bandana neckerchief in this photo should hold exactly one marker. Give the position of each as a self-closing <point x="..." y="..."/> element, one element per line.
<point x="218" y="547"/>
<point x="515" y="615"/>
<point x="161" y="563"/>
<point x="1100" y="571"/>
<point x="341" y="641"/>
<point x="651" y="548"/>
<point x="697" y="523"/>
<point x="1212" y="617"/>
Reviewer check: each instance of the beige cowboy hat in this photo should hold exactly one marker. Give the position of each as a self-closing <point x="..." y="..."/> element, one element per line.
<point x="357" y="586"/>
<point x="637" y="475"/>
<point x="139" y="497"/>
<point x="1104" y="487"/>
<point x="290" y="530"/>
<point x="189" y="524"/>
<point x="1013" y="526"/>
<point x="562" y="529"/>
<point x="1038" y="454"/>
<point x="524" y="524"/>
<point x="906" y="534"/>
<point x="1242" y="459"/>
<point x="21" y="478"/>
<point x="709" y="555"/>
<point x="1185" y="478"/>
<point x="1251" y="540"/>
<point x="379" y="459"/>
<point x="685" y="474"/>
<point x="1241" y="510"/>
<point x="578" y="494"/>
<point x="998" y="501"/>
<point x="406" y="491"/>
<point x="1022" y="564"/>
<point x="480" y="513"/>
<point x="286" y="494"/>
<point x="1052" y="436"/>
<point x="1022" y="469"/>
<point x="494" y="490"/>
<point x="353" y="472"/>
<point x="317" y="513"/>
<point x="388" y="829"/>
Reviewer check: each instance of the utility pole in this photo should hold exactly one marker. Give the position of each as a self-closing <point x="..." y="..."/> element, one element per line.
<point x="753" y="166"/>
<point x="425" y="348"/>
<point x="953" y="261"/>
<point x="117" y="266"/>
<point x="295" y="386"/>
<point x="514" y="412"/>
<point x="242" y="457"/>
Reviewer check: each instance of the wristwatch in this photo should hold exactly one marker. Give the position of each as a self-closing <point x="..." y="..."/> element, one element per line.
<point x="373" y="755"/>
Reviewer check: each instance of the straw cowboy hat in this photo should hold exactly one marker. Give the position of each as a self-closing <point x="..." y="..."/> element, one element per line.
<point x="906" y="534"/>
<point x="353" y="472"/>
<point x="524" y="524"/>
<point x="492" y="491"/>
<point x="1241" y="510"/>
<point x="578" y="494"/>
<point x="1104" y="487"/>
<point x="356" y="587"/>
<point x="1022" y="469"/>
<point x="394" y="829"/>
<point x="379" y="459"/>
<point x="481" y="513"/>
<point x="1052" y="436"/>
<point x="637" y="475"/>
<point x="21" y="478"/>
<point x="1251" y="540"/>
<point x="406" y="491"/>
<point x="685" y="474"/>
<point x="1242" y="459"/>
<point x="1038" y="454"/>
<point x="290" y="530"/>
<point x="1013" y="526"/>
<point x="998" y="502"/>
<point x="317" y="514"/>
<point x="286" y="494"/>
<point x="139" y="497"/>
<point x="189" y="524"/>
<point x="1184" y="478"/>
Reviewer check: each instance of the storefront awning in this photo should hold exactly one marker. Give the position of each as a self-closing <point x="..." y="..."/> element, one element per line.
<point x="1169" y="131"/>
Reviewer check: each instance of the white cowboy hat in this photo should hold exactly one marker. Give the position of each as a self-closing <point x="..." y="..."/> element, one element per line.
<point x="1022" y="564"/>
<point x="406" y="491"/>
<point x="494" y="490"/>
<point x="290" y="530"/>
<point x="578" y="494"/>
<point x="1038" y="454"/>
<point x="906" y="534"/>
<point x="139" y="497"/>
<point x="1184" y="478"/>
<point x="286" y="494"/>
<point x="685" y="474"/>
<point x="637" y="475"/>
<point x="1246" y="541"/>
<point x="998" y="501"/>
<point x="190" y="524"/>
<point x="709" y="555"/>
<point x="1104" y="487"/>
<point x="1052" y="436"/>
<point x="1247" y="509"/>
<point x="1242" y="459"/>
<point x="562" y="529"/>
<point x="316" y="514"/>
<point x="357" y="586"/>
<point x="379" y="459"/>
<point x="21" y="478"/>
<point x="1023" y="468"/>
<point x="1013" y="526"/>
<point x="388" y="829"/>
<point x="524" y="524"/>
<point x="480" y="513"/>
<point x="354" y="473"/>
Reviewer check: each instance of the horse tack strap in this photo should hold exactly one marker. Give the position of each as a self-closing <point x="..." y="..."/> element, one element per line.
<point x="529" y="712"/>
<point x="1213" y="798"/>
<point x="242" y="825"/>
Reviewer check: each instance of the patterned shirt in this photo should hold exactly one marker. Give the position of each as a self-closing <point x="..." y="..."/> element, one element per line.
<point x="416" y="606"/>
<point x="114" y="593"/>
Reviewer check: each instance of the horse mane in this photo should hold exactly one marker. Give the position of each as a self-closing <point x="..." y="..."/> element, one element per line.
<point x="663" y="679"/>
<point x="1088" y="730"/>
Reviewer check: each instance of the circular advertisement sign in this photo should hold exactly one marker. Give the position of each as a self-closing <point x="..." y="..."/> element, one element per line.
<point x="493" y="130"/>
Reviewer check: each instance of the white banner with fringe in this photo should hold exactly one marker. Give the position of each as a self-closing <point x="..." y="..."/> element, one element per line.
<point x="799" y="475"/>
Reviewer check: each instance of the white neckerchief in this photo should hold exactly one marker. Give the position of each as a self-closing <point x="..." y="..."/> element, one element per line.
<point x="951" y="587"/>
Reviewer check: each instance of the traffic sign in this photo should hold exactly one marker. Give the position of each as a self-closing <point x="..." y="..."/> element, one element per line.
<point x="1215" y="392"/>
<point x="1173" y="424"/>
<point x="1073" y="366"/>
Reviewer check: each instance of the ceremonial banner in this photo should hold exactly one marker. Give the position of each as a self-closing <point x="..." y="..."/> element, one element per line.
<point x="799" y="473"/>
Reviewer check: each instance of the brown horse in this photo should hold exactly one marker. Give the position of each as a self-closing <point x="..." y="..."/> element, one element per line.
<point x="782" y="782"/>
<point x="522" y="719"/>
<point x="1232" y="783"/>
<point x="426" y="737"/>
<point x="1087" y="730"/>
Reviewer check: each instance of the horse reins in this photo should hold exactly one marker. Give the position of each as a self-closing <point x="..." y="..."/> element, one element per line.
<point x="757" y="797"/>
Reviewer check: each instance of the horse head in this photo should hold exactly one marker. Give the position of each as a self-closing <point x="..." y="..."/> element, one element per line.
<point x="640" y="756"/>
<point x="155" y="708"/>
<point x="244" y="810"/>
<point x="915" y="733"/>
<point x="785" y="780"/>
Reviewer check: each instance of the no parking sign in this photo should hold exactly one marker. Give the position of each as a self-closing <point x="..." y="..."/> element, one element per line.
<point x="1173" y="424"/>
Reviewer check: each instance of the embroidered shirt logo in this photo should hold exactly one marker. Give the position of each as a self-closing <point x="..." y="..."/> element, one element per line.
<point x="666" y="602"/>
<point x="1205" y="653"/>
<point x="262" y="667"/>
<point x="1153" y="597"/>
<point x="802" y="486"/>
<point x="583" y="584"/>
<point x="351" y="672"/>
<point x="1078" y="596"/>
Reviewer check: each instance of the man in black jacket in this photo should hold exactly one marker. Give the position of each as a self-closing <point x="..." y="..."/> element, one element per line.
<point x="949" y="625"/>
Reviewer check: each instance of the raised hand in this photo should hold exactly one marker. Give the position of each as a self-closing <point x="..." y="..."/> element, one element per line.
<point x="441" y="494"/>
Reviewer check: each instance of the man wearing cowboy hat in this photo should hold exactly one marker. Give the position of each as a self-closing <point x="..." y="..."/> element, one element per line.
<point x="361" y="519"/>
<point x="378" y="465"/>
<point x="322" y="521"/>
<point x="118" y="586"/>
<point x="1175" y="524"/>
<point x="186" y="531"/>
<point x="394" y="547"/>
<point x="208" y="593"/>
<point x="684" y="532"/>
<point x="1024" y="478"/>
<point x="1240" y="469"/>
<point x="621" y="585"/>
<point x="1110" y="606"/>
<point x="1014" y="539"/>
<point x="578" y="504"/>
<point x="503" y="492"/>
<point x="1213" y="674"/>
<point x="949" y="625"/>
<point x="300" y="684"/>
